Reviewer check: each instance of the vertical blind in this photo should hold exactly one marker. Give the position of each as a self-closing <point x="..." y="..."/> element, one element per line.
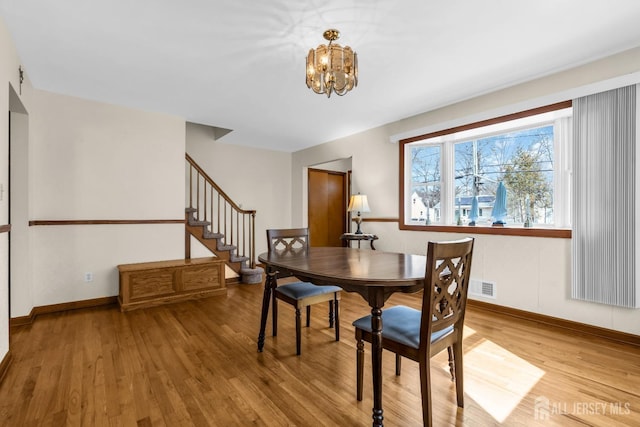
<point x="603" y="198"/>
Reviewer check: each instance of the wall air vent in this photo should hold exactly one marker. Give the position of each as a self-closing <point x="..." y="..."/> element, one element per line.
<point x="482" y="288"/>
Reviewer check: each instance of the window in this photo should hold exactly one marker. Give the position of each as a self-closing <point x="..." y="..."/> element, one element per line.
<point x="451" y="177"/>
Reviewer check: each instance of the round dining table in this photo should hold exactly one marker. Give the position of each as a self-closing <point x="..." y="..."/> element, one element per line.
<point x="375" y="275"/>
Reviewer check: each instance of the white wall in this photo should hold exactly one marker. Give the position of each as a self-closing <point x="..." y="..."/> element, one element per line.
<point x="93" y="161"/>
<point x="62" y="254"/>
<point x="20" y="279"/>
<point x="340" y="165"/>
<point x="252" y="178"/>
<point x="531" y="274"/>
<point x="9" y="63"/>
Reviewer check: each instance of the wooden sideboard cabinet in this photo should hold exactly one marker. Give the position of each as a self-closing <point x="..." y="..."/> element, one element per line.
<point x="153" y="283"/>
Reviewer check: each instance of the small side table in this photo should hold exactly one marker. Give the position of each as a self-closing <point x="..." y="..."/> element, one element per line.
<point x="359" y="237"/>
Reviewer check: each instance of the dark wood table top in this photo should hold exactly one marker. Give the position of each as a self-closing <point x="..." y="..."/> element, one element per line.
<point x="354" y="270"/>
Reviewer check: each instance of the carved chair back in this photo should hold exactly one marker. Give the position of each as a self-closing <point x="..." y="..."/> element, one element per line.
<point x="446" y="286"/>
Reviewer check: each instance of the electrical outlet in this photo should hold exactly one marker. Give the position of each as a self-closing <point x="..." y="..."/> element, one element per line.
<point x="88" y="277"/>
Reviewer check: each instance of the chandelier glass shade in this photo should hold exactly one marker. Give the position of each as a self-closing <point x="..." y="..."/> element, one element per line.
<point x="332" y="68"/>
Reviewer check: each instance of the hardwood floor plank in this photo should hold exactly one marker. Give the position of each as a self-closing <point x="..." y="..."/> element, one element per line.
<point x="73" y="394"/>
<point x="195" y="363"/>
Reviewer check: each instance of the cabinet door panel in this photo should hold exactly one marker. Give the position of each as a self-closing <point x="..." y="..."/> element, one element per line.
<point x="206" y="276"/>
<point x="151" y="283"/>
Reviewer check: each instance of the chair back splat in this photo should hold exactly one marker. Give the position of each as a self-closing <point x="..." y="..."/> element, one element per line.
<point x="294" y="240"/>
<point x="446" y="287"/>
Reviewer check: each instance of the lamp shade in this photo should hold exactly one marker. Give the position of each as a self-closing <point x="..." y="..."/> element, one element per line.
<point x="359" y="203"/>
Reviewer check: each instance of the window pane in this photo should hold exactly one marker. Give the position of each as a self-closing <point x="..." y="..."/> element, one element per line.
<point x="425" y="204"/>
<point x="425" y="164"/>
<point x="426" y="185"/>
<point x="522" y="159"/>
<point x="469" y="183"/>
<point x="528" y="176"/>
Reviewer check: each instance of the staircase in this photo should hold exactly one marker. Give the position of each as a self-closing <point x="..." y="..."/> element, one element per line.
<point x="224" y="228"/>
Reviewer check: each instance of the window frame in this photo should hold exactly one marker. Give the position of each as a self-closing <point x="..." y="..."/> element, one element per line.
<point x="513" y="230"/>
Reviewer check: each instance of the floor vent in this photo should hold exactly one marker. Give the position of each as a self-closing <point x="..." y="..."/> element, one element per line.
<point x="482" y="288"/>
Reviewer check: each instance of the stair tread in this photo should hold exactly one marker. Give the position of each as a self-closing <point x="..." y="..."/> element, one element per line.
<point x="210" y="235"/>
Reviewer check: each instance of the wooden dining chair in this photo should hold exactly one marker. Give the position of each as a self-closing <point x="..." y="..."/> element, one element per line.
<point x="301" y="294"/>
<point x="420" y="334"/>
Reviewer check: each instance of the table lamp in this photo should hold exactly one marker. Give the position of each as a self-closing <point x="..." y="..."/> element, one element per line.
<point x="359" y="204"/>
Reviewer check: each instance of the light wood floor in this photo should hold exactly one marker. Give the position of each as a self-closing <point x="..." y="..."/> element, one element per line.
<point x="196" y="363"/>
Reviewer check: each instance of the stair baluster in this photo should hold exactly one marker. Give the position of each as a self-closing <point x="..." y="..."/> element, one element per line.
<point x="233" y="236"/>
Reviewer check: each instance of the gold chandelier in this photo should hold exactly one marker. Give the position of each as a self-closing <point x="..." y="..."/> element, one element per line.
<point x="332" y="68"/>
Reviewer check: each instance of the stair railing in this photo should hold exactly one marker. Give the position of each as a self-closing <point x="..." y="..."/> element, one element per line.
<point x="225" y="217"/>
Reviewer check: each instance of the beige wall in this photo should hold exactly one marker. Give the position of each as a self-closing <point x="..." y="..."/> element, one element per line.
<point x="532" y="274"/>
<point x="93" y="161"/>
<point x="9" y="63"/>
<point x="21" y="293"/>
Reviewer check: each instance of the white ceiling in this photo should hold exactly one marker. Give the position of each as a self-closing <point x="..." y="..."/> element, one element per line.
<point x="239" y="64"/>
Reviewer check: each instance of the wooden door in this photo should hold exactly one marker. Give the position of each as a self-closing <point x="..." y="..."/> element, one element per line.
<point x="327" y="207"/>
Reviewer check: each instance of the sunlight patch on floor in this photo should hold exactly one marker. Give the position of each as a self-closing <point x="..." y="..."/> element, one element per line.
<point x="467" y="332"/>
<point x="497" y="379"/>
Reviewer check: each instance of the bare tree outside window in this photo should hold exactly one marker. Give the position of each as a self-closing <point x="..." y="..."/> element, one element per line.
<point x="426" y="181"/>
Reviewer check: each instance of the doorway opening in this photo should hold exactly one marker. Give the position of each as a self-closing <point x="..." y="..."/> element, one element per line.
<point x="328" y="189"/>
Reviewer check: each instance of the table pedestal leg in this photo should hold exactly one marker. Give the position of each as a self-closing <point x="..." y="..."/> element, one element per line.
<point x="269" y="284"/>
<point x="376" y="363"/>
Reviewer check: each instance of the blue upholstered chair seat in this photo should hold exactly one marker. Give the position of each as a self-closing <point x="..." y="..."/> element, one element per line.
<point x="299" y="290"/>
<point x="401" y="324"/>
